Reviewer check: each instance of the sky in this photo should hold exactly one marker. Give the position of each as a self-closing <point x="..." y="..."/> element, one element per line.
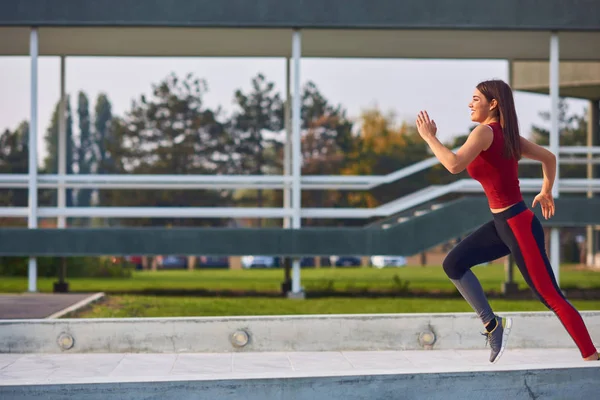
<point x="442" y="87"/>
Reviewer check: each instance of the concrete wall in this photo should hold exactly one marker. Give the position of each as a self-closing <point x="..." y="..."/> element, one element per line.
<point x="289" y="333"/>
<point x="521" y="384"/>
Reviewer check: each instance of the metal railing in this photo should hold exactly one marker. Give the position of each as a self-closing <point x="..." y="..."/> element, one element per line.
<point x="308" y="182"/>
<point x="384" y="210"/>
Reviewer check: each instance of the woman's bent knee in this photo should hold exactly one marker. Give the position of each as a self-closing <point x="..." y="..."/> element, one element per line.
<point x="452" y="267"/>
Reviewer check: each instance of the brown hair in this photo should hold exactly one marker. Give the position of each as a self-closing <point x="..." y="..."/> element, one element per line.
<point x="502" y="93"/>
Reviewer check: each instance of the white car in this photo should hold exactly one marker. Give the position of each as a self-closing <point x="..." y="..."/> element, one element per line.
<point x="388" y="261"/>
<point x="259" y="261"/>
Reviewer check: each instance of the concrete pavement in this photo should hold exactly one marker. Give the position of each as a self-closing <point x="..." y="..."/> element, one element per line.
<point x="418" y="374"/>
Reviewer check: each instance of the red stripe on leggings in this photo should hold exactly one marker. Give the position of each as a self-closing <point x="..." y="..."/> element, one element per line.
<point x="538" y="273"/>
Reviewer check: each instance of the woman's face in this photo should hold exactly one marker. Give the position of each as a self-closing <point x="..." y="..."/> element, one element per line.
<point x="481" y="109"/>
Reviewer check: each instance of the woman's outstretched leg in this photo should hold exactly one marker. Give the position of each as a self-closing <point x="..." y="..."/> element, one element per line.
<point x="481" y="246"/>
<point x="524" y="235"/>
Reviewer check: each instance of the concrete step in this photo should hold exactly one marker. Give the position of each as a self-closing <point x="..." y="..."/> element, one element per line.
<point x="415" y="374"/>
<point x="368" y="332"/>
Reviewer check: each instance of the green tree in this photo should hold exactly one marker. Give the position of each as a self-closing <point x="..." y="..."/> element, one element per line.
<point x="103" y="133"/>
<point x="107" y="147"/>
<point x="572" y="132"/>
<point x="170" y="132"/>
<point x="258" y="113"/>
<point x="14" y="159"/>
<point x="326" y="141"/>
<point x="85" y="151"/>
<point x="382" y="148"/>
<point x="328" y="123"/>
<point x="50" y="163"/>
<point x="114" y="152"/>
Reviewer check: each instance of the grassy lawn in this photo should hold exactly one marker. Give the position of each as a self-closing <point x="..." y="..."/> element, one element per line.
<point x="162" y="306"/>
<point x="338" y="279"/>
<point x="149" y="294"/>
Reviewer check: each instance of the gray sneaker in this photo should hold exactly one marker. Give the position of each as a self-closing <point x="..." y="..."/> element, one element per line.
<point x="498" y="338"/>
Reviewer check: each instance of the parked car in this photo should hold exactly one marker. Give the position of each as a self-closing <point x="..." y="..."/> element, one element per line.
<point x="307" y="262"/>
<point x="135" y="260"/>
<point x="311" y="261"/>
<point x="388" y="261"/>
<point x="213" y="262"/>
<point x="345" y="261"/>
<point x="172" y="262"/>
<point x="260" y="262"/>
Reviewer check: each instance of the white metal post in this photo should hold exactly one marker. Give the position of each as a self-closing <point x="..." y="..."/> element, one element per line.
<point x="593" y="138"/>
<point x="296" y="157"/>
<point x="509" y="286"/>
<point x="554" y="144"/>
<point x="287" y="147"/>
<point x="62" y="144"/>
<point x="33" y="200"/>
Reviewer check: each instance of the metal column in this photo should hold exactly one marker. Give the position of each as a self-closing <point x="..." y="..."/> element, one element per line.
<point x="509" y="286"/>
<point x="593" y="139"/>
<point x="32" y="188"/>
<point x="296" y="157"/>
<point x="61" y="286"/>
<point x="62" y="144"/>
<point x="287" y="148"/>
<point x="287" y="171"/>
<point x="554" y="144"/>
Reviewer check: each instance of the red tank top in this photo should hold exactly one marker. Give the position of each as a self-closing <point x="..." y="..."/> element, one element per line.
<point x="498" y="175"/>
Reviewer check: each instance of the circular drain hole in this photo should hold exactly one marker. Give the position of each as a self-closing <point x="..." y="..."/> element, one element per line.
<point x="427" y="339"/>
<point x="239" y="338"/>
<point x="66" y="341"/>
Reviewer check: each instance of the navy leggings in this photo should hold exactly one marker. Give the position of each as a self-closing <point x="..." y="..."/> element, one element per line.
<point x="518" y="231"/>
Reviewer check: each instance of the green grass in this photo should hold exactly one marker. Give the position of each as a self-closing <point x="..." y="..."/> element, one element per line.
<point x="134" y="297"/>
<point x="340" y="279"/>
<point x="151" y="306"/>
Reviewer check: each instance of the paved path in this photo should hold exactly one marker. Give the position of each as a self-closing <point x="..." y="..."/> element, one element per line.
<point x="37" y="305"/>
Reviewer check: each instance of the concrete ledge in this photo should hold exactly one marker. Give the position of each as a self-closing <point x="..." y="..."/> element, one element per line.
<point x="563" y="383"/>
<point x="280" y="333"/>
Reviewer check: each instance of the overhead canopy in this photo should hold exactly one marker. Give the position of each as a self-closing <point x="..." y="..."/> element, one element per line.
<point x="546" y="15"/>
<point x="245" y="42"/>
<point x="508" y="29"/>
<point x="577" y="79"/>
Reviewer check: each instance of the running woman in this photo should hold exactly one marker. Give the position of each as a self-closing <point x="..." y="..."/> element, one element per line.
<point x="490" y="155"/>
